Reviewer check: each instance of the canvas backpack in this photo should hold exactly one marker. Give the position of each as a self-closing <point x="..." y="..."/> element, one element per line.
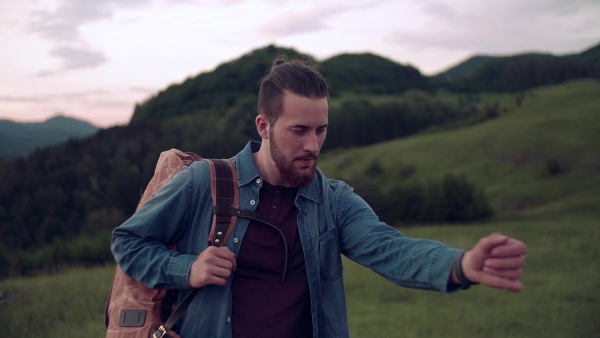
<point x="134" y="310"/>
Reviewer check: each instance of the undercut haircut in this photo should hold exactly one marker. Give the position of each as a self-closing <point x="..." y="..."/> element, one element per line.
<point x="296" y="76"/>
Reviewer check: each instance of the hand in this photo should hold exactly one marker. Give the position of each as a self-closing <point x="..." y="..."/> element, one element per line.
<point x="496" y="261"/>
<point x="212" y="267"/>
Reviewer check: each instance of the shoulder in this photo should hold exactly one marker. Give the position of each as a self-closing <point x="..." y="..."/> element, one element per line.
<point x="332" y="188"/>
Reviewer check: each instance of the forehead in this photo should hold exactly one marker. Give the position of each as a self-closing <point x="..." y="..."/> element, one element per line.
<point x="304" y="110"/>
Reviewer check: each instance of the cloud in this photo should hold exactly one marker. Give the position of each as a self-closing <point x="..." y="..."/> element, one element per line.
<point x="145" y="90"/>
<point x="21" y="99"/>
<point x="62" y="27"/>
<point x="78" y="57"/>
<point x="43" y="98"/>
<point x="496" y="27"/>
<point x="312" y="20"/>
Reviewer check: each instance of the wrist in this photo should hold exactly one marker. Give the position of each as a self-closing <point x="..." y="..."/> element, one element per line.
<point x="458" y="273"/>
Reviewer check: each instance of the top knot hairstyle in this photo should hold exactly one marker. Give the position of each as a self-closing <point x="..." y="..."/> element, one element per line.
<point x="296" y="76"/>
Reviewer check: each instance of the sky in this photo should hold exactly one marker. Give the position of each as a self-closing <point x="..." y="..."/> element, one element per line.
<point x="95" y="59"/>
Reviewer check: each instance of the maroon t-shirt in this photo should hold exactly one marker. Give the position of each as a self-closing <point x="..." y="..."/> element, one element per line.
<point x="262" y="305"/>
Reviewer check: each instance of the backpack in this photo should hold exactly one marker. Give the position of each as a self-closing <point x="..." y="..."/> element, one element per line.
<point x="135" y="310"/>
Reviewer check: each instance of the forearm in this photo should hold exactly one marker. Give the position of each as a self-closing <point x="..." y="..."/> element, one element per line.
<point x="151" y="262"/>
<point x="140" y="245"/>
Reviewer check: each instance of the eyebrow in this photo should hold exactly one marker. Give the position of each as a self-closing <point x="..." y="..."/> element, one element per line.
<point x="307" y="127"/>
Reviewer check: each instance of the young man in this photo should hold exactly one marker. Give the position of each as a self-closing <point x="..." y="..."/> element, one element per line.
<point x="241" y="289"/>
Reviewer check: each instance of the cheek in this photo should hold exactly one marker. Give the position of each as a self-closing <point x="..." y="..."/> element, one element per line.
<point x="322" y="139"/>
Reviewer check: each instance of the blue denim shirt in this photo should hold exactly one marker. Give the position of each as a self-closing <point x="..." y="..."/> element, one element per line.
<point x="332" y="221"/>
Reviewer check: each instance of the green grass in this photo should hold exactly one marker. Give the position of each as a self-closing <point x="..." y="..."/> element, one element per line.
<point x="69" y="304"/>
<point x="560" y="299"/>
<point x="561" y="296"/>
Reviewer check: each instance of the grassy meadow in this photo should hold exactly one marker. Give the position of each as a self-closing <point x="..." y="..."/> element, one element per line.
<point x="539" y="166"/>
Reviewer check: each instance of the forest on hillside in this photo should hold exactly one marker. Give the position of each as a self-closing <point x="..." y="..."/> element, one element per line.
<point x="58" y="205"/>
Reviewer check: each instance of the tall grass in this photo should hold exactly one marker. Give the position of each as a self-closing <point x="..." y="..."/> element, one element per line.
<point x="70" y="304"/>
<point x="561" y="296"/>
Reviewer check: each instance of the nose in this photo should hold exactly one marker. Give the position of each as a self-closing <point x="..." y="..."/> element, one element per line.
<point x="312" y="144"/>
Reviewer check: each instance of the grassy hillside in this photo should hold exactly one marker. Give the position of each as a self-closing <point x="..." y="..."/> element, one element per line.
<point x="560" y="298"/>
<point x="544" y="154"/>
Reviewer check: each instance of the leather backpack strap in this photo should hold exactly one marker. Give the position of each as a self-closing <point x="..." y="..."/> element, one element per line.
<point x="225" y="196"/>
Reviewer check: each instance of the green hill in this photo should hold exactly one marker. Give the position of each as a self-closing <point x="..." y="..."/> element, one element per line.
<point x="370" y="74"/>
<point x="466" y="68"/>
<point x="542" y="157"/>
<point x="519" y="72"/>
<point x="211" y="92"/>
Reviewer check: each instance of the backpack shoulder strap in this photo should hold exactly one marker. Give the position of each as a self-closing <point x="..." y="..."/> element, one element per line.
<point x="225" y="196"/>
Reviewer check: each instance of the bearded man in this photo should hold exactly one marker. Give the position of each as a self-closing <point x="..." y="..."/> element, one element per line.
<point x="241" y="292"/>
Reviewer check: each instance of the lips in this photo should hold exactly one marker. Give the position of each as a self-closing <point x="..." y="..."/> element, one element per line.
<point x="307" y="161"/>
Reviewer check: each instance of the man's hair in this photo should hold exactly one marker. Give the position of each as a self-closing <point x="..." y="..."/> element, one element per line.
<point x="296" y="76"/>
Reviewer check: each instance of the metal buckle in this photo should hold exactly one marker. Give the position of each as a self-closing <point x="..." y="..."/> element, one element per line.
<point x="161" y="332"/>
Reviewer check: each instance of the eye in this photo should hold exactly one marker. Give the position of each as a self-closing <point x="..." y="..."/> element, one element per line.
<point x="321" y="131"/>
<point x="298" y="131"/>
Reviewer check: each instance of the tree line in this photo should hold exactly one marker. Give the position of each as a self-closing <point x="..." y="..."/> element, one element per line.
<point x="58" y="205"/>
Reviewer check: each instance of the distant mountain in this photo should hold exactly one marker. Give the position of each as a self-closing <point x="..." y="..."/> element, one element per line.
<point x="467" y="68"/>
<point x="370" y="74"/>
<point x="519" y="72"/>
<point x="18" y="139"/>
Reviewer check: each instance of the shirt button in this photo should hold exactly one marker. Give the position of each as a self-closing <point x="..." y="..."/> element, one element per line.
<point x="228" y="319"/>
<point x="235" y="240"/>
<point x="252" y="202"/>
<point x="258" y="181"/>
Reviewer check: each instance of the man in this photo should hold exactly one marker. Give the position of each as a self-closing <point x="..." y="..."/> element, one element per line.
<point x="241" y="289"/>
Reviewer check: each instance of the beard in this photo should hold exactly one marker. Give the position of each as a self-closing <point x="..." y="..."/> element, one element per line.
<point x="293" y="176"/>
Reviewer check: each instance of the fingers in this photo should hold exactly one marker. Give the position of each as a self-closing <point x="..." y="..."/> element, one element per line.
<point x="487" y="244"/>
<point x="224" y="256"/>
<point x="212" y="267"/>
<point x="493" y="281"/>
<point x="497" y="261"/>
<point x="510" y="274"/>
<point x="512" y="247"/>
<point x="505" y="263"/>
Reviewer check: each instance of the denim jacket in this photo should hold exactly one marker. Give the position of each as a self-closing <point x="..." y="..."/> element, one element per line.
<point x="332" y="221"/>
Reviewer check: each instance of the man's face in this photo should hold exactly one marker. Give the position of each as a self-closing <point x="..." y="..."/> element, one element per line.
<point x="296" y="138"/>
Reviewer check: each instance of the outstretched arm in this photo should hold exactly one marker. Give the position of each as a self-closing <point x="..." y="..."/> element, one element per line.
<point x="496" y="261"/>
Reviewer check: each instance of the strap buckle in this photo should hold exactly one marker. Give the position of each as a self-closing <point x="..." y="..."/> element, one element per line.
<point x="160" y="333"/>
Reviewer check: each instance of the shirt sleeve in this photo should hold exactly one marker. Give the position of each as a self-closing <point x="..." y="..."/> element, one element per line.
<point x="409" y="262"/>
<point x="141" y="244"/>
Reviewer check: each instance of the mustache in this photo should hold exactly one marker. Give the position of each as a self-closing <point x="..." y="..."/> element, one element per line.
<point x="309" y="156"/>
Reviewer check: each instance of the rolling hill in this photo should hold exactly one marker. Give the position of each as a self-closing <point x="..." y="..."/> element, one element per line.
<point x="19" y="139"/>
<point x="519" y="72"/>
<point x="542" y="157"/>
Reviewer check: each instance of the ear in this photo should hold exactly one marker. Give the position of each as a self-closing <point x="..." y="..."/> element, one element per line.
<point x="262" y="126"/>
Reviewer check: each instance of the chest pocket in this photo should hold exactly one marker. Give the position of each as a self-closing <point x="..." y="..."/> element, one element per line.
<point x="330" y="257"/>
